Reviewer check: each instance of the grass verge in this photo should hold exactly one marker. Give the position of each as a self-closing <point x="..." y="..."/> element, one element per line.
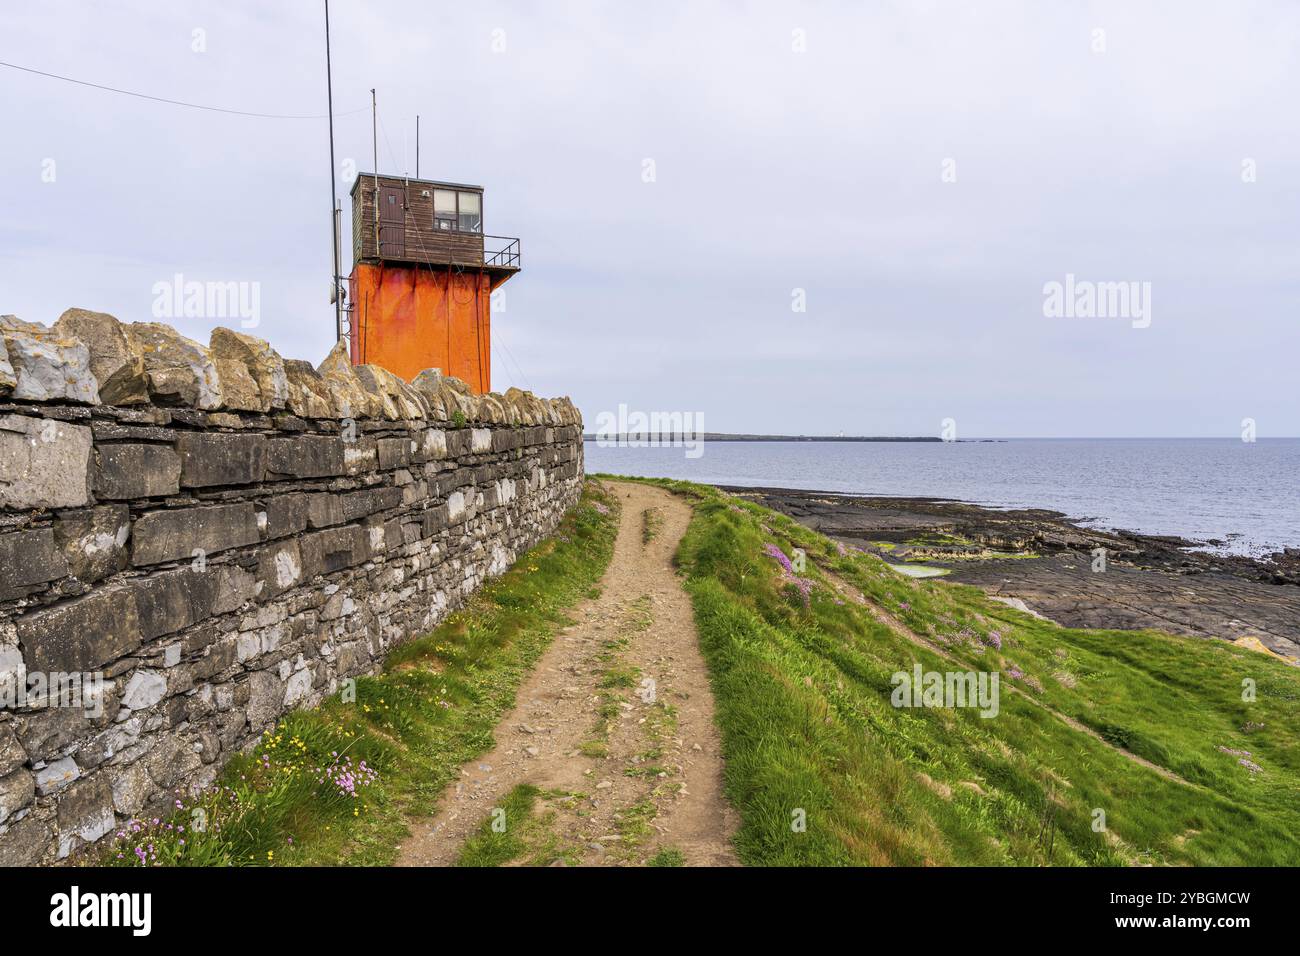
<point x="520" y="832"/>
<point x="335" y="784"/>
<point x="824" y="769"/>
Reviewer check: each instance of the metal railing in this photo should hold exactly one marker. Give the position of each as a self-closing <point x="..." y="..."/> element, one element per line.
<point x="502" y="252"/>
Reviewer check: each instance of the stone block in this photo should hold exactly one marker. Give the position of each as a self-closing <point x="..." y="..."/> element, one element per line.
<point x="85" y="812"/>
<point x="308" y="394"/>
<point x="43" y="463"/>
<point x="17" y="790"/>
<point x="48" y="365"/>
<point x="288" y="514"/>
<point x="56" y="775"/>
<point x="435" y="520"/>
<point x="394" y="453"/>
<point x="507" y="439"/>
<point x="221" y="459"/>
<point x="178" y="370"/>
<point x="129" y="471"/>
<point x="178" y="533"/>
<point x="396" y="399"/>
<point x="115" y="431"/>
<point x="358" y="504"/>
<point x="392" y="535"/>
<point x="263" y="364"/>
<point x="350" y="398"/>
<point x="170" y="761"/>
<point x="235" y="587"/>
<point x="93" y="541"/>
<point x="80" y="635"/>
<point x="173" y="600"/>
<point x="131" y="787"/>
<point x="239" y="391"/>
<point x="52" y="731"/>
<point x="12" y="754"/>
<point x="119" y="372"/>
<point x="27" y="560"/>
<point x="297" y="689"/>
<point x="360" y="456"/>
<point x="144" y="689"/>
<point x="333" y="550"/>
<point x="324" y="510"/>
<point x="7" y="378"/>
<point x="305" y="456"/>
<point x="280" y="567"/>
<point x="24" y="843"/>
<point x="433" y="444"/>
<point x="265" y="699"/>
<point x="458" y="442"/>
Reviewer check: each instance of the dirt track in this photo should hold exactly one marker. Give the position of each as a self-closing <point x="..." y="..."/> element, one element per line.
<point x="615" y="723"/>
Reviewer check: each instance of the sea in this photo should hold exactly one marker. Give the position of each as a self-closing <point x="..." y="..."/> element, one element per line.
<point x="1243" y="495"/>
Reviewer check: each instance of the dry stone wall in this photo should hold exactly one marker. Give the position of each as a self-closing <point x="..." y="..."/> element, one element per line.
<point x="194" y="540"/>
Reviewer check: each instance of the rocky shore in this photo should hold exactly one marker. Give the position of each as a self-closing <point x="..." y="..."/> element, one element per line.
<point x="1046" y="561"/>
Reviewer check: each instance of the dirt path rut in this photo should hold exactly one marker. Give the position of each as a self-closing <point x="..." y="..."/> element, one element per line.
<point x="614" y="724"/>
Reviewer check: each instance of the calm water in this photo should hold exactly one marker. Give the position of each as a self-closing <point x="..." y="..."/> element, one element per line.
<point x="1247" y="494"/>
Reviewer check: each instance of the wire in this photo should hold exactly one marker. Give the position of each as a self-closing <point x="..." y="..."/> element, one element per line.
<point x="497" y="362"/>
<point x="502" y="342"/>
<point x="163" y="99"/>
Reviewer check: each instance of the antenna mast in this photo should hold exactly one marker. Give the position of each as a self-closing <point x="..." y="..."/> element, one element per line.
<point x="374" y="139"/>
<point x="334" y="199"/>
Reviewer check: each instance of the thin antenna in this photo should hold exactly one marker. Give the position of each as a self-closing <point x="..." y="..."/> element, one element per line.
<point x="374" y="138"/>
<point x="417" y="145"/>
<point x="334" y="218"/>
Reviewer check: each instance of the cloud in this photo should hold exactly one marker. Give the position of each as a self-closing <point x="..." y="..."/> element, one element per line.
<point x="775" y="170"/>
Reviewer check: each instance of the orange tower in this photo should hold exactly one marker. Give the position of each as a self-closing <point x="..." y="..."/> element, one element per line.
<point x="422" y="278"/>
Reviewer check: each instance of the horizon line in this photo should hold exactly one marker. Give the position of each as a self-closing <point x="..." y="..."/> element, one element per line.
<point x="776" y="437"/>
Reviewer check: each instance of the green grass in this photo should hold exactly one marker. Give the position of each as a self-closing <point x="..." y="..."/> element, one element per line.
<point x="504" y="834"/>
<point x="518" y="831"/>
<point x="432" y="708"/>
<point x="668" y="856"/>
<point x="821" y="767"/>
<point x="615" y="675"/>
<point x="652" y="520"/>
<point x="824" y="770"/>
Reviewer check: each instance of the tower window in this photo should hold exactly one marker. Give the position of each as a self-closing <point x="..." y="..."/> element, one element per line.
<point x="471" y="212"/>
<point x="444" y="209"/>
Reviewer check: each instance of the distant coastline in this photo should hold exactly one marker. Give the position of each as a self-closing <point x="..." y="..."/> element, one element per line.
<point x="669" y="437"/>
<point x="1230" y="495"/>
<point x="1047" y="561"/>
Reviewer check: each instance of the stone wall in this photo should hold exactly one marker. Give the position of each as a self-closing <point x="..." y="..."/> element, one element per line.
<point x="221" y="535"/>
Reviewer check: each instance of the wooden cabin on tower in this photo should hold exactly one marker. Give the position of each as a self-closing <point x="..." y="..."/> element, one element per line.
<point x="422" y="277"/>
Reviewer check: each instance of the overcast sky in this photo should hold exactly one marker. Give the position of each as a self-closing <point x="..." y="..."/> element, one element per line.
<point x="795" y="146"/>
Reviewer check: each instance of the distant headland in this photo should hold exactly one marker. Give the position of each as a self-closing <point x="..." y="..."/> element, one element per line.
<point x="669" y="437"/>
